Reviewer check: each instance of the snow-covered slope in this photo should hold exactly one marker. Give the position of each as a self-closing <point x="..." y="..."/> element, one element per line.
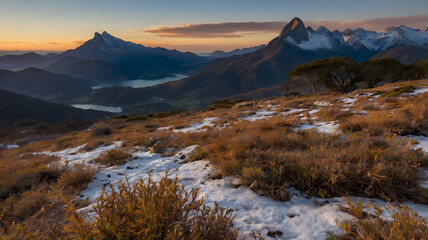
<point x="392" y="37"/>
<point x="358" y="39"/>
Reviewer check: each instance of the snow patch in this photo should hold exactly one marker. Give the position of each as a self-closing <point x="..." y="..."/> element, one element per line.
<point x="197" y="127"/>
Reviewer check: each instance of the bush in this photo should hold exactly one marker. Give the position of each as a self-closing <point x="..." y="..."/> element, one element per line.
<point x="113" y="157"/>
<point x="77" y="177"/>
<point x="150" y="210"/>
<point x="101" y="131"/>
<point x="405" y="224"/>
<point x="398" y="91"/>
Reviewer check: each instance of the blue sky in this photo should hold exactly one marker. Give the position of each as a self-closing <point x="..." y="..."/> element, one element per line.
<point x="37" y="22"/>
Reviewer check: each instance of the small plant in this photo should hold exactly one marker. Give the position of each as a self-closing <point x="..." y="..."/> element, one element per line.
<point x="198" y="154"/>
<point x="398" y="91"/>
<point x="113" y="157"/>
<point x="405" y="224"/>
<point x="101" y="131"/>
<point x="77" y="177"/>
<point x="153" y="210"/>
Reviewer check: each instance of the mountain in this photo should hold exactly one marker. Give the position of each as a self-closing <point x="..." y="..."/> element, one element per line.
<point x="136" y="59"/>
<point x="88" y="69"/>
<point x="19" y="62"/>
<point x="43" y="84"/>
<point x="401" y="36"/>
<point x="405" y="55"/>
<point x="38" y="109"/>
<point x="222" y="54"/>
<point x="224" y="77"/>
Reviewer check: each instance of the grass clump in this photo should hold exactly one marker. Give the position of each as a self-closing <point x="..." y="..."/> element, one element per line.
<point x="404" y="223"/>
<point x="101" y="131"/>
<point x="271" y="159"/>
<point x="113" y="157"/>
<point x="77" y="177"/>
<point x="158" y="115"/>
<point x="153" y="210"/>
<point x="398" y="91"/>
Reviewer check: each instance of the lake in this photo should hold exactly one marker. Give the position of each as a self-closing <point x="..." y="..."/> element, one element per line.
<point x="98" y="107"/>
<point x="141" y="83"/>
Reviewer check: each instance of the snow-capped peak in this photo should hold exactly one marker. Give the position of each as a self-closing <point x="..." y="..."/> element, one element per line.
<point x="392" y="37"/>
<point x="106" y="42"/>
<point x="320" y="39"/>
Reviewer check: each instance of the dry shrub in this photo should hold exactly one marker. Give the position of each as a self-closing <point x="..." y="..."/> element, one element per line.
<point x="77" y="177"/>
<point x="113" y="157"/>
<point x="273" y="158"/>
<point x="28" y="171"/>
<point x="398" y="91"/>
<point x="332" y="113"/>
<point x="405" y="224"/>
<point x="151" y="210"/>
<point x="101" y="131"/>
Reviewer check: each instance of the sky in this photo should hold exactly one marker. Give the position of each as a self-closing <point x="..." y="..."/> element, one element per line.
<point x="189" y="25"/>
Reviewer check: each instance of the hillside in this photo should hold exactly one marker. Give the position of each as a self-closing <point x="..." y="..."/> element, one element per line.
<point x="286" y="166"/>
<point x="45" y="85"/>
<point x="15" y="107"/>
<point x="88" y="69"/>
<point x="404" y="55"/>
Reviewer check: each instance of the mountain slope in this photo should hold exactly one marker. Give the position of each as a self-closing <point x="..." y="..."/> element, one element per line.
<point x="18" y="62"/>
<point x="38" y="109"/>
<point x="222" y="54"/>
<point x="225" y="77"/>
<point x="88" y="69"/>
<point x="42" y="84"/>
<point x="404" y="55"/>
<point x="135" y="58"/>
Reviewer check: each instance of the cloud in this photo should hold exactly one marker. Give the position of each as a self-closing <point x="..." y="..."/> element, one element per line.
<point x="241" y="29"/>
<point x="216" y="30"/>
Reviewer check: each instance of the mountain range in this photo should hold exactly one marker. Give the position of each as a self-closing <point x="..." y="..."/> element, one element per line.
<point x="264" y="68"/>
<point x="68" y="76"/>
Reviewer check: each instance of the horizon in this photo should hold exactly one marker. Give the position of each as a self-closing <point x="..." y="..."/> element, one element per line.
<point x="189" y="25"/>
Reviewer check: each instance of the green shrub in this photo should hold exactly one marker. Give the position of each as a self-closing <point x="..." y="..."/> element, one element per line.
<point x="398" y="91"/>
<point x="151" y="210"/>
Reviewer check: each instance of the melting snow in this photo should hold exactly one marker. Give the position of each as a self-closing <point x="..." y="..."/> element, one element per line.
<point x="197" y="127"/>
<point x="324" y="127"/>
<point x="262" y="114"/>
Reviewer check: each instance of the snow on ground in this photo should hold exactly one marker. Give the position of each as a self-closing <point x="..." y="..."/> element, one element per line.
<point x="199" y="126"/>
<point x="299" y="218"/>
<point x="422" y="143"/>
<point x="290" y="111"/>
<point x="324" y="127"/>
<point x="348" y="101"/>
<point x="72" y="155"/>
<point x="12" y="146"/>
<point x="322" y="104"/>
<point x="418" y="91"/>
<point x="261" y="114"/>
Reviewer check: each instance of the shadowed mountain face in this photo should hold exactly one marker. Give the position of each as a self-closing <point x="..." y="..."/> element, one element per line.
<point x="404" y="55"/>
<point x="19" y="62"/>
<point x="135" y="59"/>
<point x="38" y="109"/>
<point x="44" y="85"/>
<point x="88" y="69"/>
<point x="296" y="30"/>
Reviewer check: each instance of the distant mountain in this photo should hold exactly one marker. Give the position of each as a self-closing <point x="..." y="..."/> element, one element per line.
<point x="88" y="69"/>
<point x="43" y="84"/>
<point x="404" y="55"/>
<point x="19" y="62"/>
<point x="222" y="54"/>
<point x="15" y="107"/>
<point x="392" y="37"/>
<point x="136" y="59"/>
<point x="266" y="68"/>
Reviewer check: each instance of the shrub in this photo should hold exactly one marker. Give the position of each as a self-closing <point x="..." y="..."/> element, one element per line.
<point x="113" y="157"/>
<point x="77" y="177"/>
<point x="405" y="224"/>
<point x="151" y="210"/>
<point x="101" y="131"/>
<point x="398" y="91"/>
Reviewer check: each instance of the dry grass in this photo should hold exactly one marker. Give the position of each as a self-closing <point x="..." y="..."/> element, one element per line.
<point x="151" y="210"/>
<point x="114" y="157"/>
<point x="405" y="224"/>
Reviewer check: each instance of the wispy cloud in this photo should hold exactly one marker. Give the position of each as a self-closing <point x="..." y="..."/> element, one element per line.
<point x="216" y="30"/>
<point x="241" y="29"/>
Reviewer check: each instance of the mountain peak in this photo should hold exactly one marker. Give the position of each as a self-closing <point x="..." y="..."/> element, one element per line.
<point x="296" y="30"/>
